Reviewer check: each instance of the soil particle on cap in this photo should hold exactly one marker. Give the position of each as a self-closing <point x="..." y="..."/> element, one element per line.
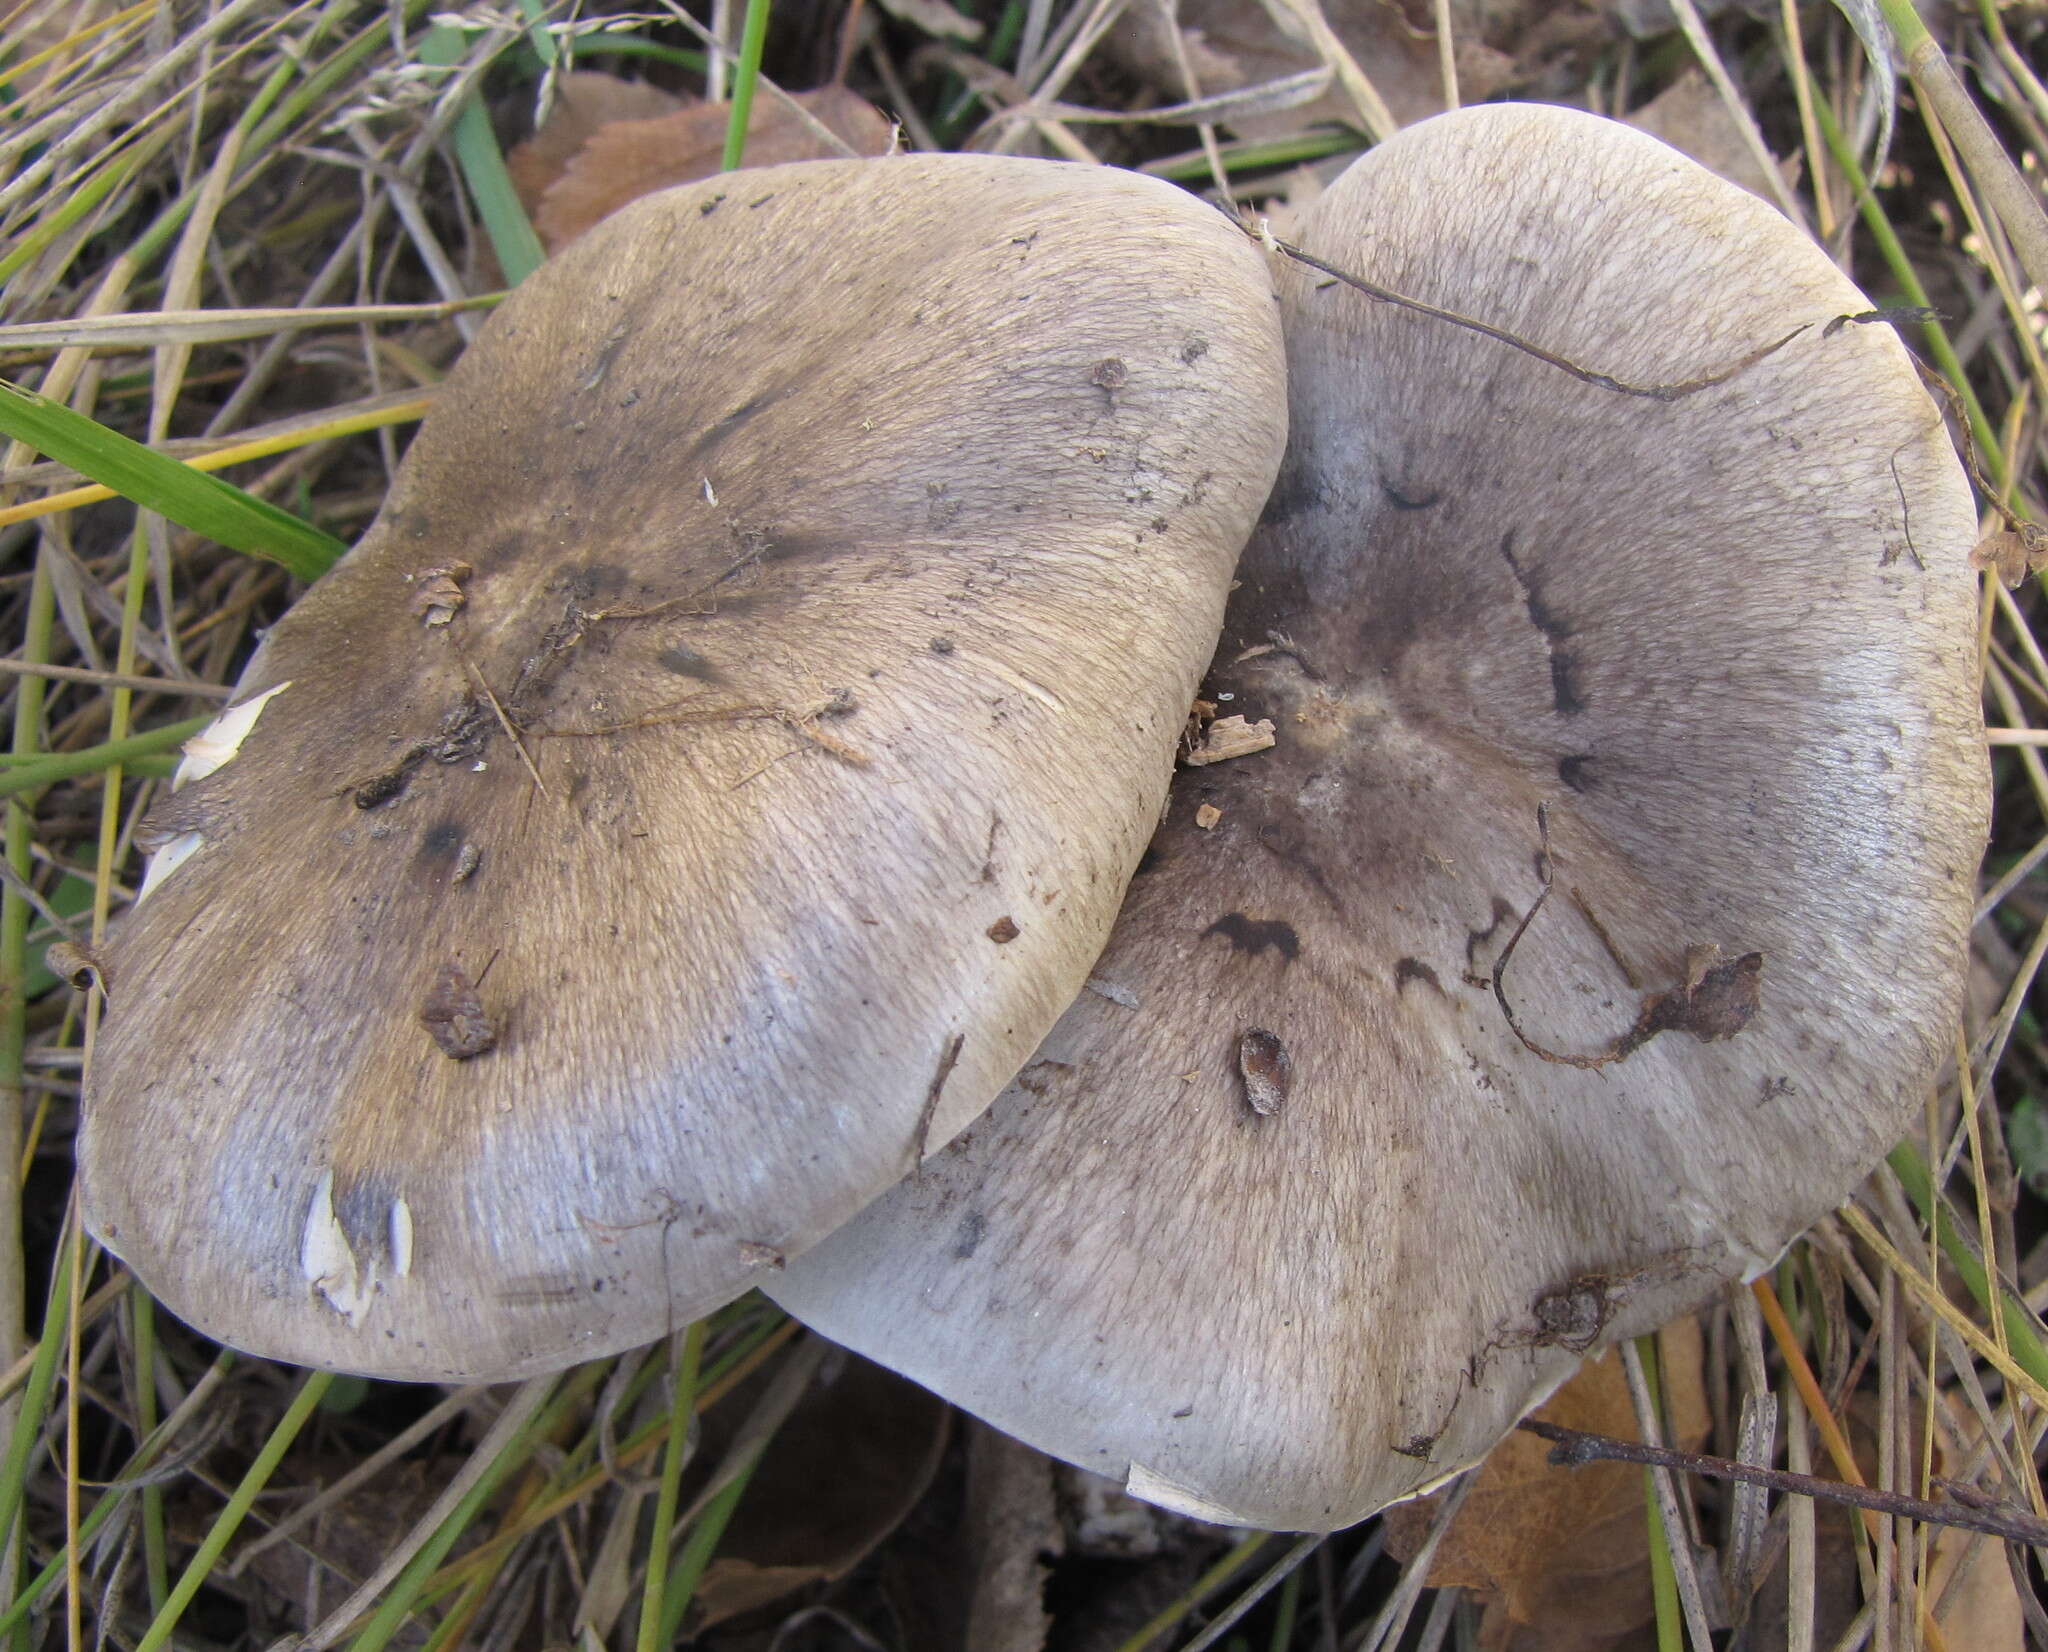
<point x="454" y="1015"/>
<point x="1572" y="1315"/>
<point x="1267" y="1070"/>
<point x="1003" y="931"/>
<point x="1206" y="816"/>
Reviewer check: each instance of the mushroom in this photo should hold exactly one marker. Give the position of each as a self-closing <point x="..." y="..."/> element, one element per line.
<point x="708" y="779"/>
<point x="1598" y="916"/>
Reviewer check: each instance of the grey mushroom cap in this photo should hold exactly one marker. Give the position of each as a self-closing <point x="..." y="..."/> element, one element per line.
<point x="708" y="779"/>
<point x="1287" y="1220"/>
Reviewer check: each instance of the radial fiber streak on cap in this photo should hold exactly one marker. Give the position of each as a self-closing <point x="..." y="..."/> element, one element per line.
<point x="1700" y="667"/>
<point x="802" y="581"/>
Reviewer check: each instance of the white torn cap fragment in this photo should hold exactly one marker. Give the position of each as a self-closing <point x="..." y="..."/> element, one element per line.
<point x="212" y="748"/>
<point x="328" y="1262"/>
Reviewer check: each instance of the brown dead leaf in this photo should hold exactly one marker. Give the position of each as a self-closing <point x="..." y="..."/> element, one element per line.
<point x="584" y="101"/>
<point x="1560" y="1557"/>
<point x="1967" y="1573"/>
<point x="1235" y="43"/>
<point x="1981" y="1608"/>
<point x="625" y="159"/>
<point x="844" y="1470"/>
<point x="1693" y="118"/>
<point x="2013" y="553"/>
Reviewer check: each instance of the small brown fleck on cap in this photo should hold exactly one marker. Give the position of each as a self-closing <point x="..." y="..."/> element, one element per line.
<point x="1003" y="931"/>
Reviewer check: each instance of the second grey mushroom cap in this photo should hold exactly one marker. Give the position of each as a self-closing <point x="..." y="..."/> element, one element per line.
<point x="709" y="777"/>
<point x="1287" y="1220"/>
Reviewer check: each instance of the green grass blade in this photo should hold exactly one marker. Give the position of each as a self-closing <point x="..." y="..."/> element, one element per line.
<point x="38" y="1589"/>
<point x="752" y="39"/>
<point x="400" y="1599"/>
<point x="682" y="1406"/>
<point x="2022" y="1334"/>
<point x="483" y="170"/>
<point x="698" y="1548"/>
<point x="633" y="45"/>
<point x="88" y="195"/>
<point x="35" y="1399"/>
<point x="216" y="1540"/>
<point x="68" y="765"/>
<point x="155" y="1555"/>
<point x="218" y="510"/>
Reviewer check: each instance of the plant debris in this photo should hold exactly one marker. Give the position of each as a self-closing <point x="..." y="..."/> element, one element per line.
<point x="1229" y="737"/>
<point x="454" y="1015"/>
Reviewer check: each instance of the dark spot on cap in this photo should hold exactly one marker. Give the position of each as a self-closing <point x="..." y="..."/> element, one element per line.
<point x="1575" y="771"/>
<point x="1194" y="350"/>
<point x="1110" y="374"/>
<point x="733" y="422"/>
<point x="1298" y="491"/>
<point x="942" y="645"/>
<point x="967" y="1238"/>
<point x="1251" y="936"/>
<point x="1403" y="500"/>
<point x="1564" y="688"/>
<point x="1003" y="931"/>
<point x="1502" y="913"/>
<point x="1414" y="969"/>
<point x="441" y="841"/>
<point x="685" y="661"/>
